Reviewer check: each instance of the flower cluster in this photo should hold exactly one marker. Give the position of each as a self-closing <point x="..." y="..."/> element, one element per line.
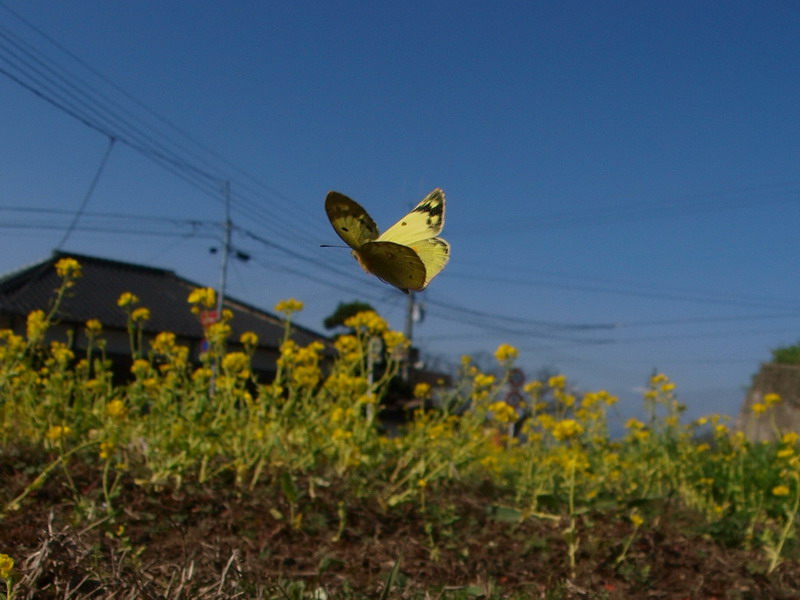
<point x="6" y="566"/>
<point x="288" y="307"/>
<point x="367" y="321"/>
<point x="202" y="299"/>
<point x="69" y="270"/>
<point x="127" y="299"/>
<point x="506" y="353"/>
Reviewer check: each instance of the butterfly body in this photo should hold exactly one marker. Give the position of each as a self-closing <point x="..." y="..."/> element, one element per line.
<point x="408" y="255"/>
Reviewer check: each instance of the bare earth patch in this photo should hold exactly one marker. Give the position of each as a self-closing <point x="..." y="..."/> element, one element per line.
<point x="200" y="542"/>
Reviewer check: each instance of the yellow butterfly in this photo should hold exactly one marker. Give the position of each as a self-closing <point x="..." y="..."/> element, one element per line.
<point x="408" y="254"/>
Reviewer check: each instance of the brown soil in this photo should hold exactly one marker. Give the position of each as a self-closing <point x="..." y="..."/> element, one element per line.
<point x="200" y="542"/>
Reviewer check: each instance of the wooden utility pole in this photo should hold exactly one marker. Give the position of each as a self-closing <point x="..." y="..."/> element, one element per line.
<point x="226" y="249"/>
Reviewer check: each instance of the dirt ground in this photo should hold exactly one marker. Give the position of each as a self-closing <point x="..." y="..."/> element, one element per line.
<point x="200" y="542"/>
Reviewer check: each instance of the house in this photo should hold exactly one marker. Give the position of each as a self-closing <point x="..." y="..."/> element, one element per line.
<point x="95" y="295"/>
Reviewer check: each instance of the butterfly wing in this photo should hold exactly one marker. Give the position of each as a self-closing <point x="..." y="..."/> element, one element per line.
<point x="393" y="263"/>
<point x="350" y="220"/>
<point x="434" y="254"/>
<point x="424" y="221"/>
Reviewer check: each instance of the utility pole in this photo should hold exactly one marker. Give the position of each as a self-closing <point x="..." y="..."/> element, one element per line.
<point x="226" y="249"/>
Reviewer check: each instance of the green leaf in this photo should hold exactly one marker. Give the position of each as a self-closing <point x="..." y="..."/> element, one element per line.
<point x="289" y="488"/>
<point x="504" y="514"/>
<point x="390" y="580"/>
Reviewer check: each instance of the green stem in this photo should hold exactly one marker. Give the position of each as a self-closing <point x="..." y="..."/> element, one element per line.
<point x="787" y="527"/>
<point x="40" y="479"/>
<point x="106" y="491"/>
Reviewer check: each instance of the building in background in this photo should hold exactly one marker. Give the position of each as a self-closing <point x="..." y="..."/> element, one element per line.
<point x="95" y="295"/>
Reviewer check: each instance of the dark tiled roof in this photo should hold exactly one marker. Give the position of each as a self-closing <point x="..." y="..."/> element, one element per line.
<point x="95" y="295"/>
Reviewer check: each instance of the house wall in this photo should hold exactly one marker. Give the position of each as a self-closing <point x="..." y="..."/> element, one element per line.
<point x="783" y="380"/>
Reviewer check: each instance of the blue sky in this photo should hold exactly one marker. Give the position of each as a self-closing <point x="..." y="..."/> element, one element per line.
<point x="621" y="177"/>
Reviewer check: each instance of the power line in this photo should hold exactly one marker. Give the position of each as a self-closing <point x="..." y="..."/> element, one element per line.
<point x="289" y="202"/>
<point x="91" y="107"/>
<point x="634" y="211"/>
<point x="683" y="296"/>
<point x="88" y="194"/>
<point x="106" y="230"/>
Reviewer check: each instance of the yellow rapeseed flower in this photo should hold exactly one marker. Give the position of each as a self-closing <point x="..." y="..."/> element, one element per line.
<point x="505" y="353"/>
<point x="738" y="438"/>
<point x="636" y="519"/>
<point x="607" y="398"/>
<point x="565" y="399"/>
<point x="140" y="315"/>
<point x="93" y="327"/>
<point x="249" y="339"/>
<point x="61" y="353"/>
<point x="395" y="340"/>
<point x="781" y="490"/>
<point x="567" y="429"/>
<point x="342" y="385"/>
<point x="36" y="325"/>
<point x="202" y="375"/>
<point x="367" y="399"/>
<point x="790" y="438"/>
<point x="127" y="299"/>
<point x="310" y="354"/>
<point x="164" y="343"/>
<point x="634" y="424"/>
<point x="533" y="388"/>
<point x="203" y="298"/>
<point x="306" y="375"/>
<point x="557" y="382"/>
<point x="140" y="367"/>
<point x="68" y="268"/>
<point x="589" y="399"/>
<point x="483" y="380"/>
<point x="367" y="320"/>
<point x="6" y="566"/>
<point x="758" y="408"/>
<point x="106" y="449"/>
<point x="116" y="409"/>
<point x="341" y="434"/>
<point x="771" y="399"/>
<point x="57" y="432"/>
<point x="348" y="347"/>
<point x="218" y="332"/>
<point x="289" y="307"/>
<point x="422" y="391"/>
<point x="658" y="378"/>
<point x="236" y="363"/>
<point x="338" y="415"/>
<point x="503" y="412"/>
